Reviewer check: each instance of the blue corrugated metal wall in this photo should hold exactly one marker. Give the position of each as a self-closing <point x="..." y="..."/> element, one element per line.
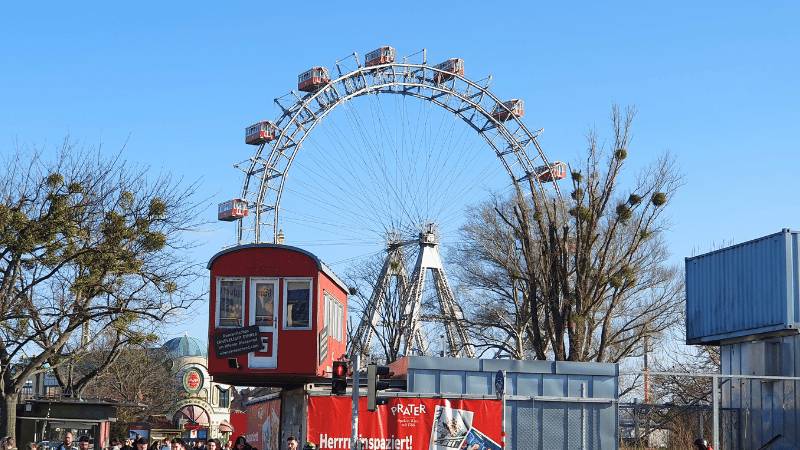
<point x="747" y="289"/>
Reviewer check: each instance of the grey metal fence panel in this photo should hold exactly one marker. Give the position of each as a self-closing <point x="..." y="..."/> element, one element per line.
<point x="529" y="384"/>
<point x="451" y="382"/>
<point x="554" y="425"/>
<point x="554" y="385"/>
<point x="576" y="425"/>
<point x="493" y="365"/>
<point x="578" y="386"/>
<point x="608" y="437"/>
<point x="480" y="383"/>
<point x="604" y="387"/>
<point x="424" y="380"/>
<point x="525" y="427"/>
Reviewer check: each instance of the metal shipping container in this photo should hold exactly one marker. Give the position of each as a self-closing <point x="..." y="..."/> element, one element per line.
<point x="744" y="290"/>
<point x="549" y="404"/>
<point x="760" y="411"/>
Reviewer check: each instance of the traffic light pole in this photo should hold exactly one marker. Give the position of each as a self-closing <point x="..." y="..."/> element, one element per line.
<point x="354" y="445"/>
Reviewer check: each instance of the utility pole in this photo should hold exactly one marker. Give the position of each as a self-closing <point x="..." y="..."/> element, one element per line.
<point x="646" y="369"/>
<point x="354" y="444"/>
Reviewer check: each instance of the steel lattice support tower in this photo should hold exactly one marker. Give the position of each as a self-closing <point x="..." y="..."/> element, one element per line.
<point x="413" y="338"/>
<point x="393" y="267"/>
<point x="451" y="314"/>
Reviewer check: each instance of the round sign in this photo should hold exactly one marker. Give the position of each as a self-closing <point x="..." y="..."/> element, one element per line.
<point x="499" y="383"/>
<point x="192" y="380"/>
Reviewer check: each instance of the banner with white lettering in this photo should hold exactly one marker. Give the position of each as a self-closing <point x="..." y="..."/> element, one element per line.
<point x="408" y="424"/>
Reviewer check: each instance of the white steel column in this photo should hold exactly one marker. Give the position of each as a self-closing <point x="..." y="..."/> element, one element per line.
<point x="452" y="316"/>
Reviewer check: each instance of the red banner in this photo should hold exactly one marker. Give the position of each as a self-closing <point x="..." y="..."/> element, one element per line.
<point x="263" y="424"/>
<point x="408" y="424"/>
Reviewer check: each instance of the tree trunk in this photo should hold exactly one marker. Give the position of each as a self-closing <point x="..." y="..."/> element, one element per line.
<point x="8" y="413"/>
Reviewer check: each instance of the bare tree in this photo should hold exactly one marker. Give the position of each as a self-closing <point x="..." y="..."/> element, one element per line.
<point x="89" y="247"/>
<point x="388" y="331"/>
<point x="142" y="379"/>
<point x="581" y="283"/>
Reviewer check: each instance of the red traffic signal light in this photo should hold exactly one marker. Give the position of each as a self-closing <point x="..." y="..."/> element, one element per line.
<point x="339" y="379"/>
<point x="339" y="369"/>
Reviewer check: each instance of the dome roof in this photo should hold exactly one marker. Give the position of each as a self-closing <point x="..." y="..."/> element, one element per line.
<point x="185" y="346"/>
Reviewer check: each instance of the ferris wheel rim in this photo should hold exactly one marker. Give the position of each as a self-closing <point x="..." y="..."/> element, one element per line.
<point x="291" y="120"/>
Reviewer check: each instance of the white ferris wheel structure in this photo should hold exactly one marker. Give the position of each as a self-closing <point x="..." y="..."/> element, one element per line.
<point x="382" y="148"/>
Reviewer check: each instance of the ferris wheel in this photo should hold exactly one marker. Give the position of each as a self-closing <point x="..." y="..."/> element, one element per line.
<point x="376" y="170"/>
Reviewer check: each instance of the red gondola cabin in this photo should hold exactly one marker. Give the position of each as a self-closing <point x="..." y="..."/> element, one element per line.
<point x="557" y="170"/>
<point x="313" y="79"/>
<point x="260" y="133"/>
<point x="277" y="316"/>
<point x="383" y="55"/>
<point x="506" y="110"/>
<point x="451" y="68"/>
<point x="232" y="210"/>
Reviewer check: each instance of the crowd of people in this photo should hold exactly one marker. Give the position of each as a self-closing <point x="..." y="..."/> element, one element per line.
<point x="141" y="443"/>
<point x="8" y="443"/>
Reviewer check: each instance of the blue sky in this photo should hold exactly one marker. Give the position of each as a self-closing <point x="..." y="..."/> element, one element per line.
<point x="715" y="83"/>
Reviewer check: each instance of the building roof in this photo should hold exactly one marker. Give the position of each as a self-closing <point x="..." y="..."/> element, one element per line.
<point x="185" y="346"/>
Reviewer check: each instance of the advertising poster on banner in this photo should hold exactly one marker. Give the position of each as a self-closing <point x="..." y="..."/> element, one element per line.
<point x="263" y="425"/>
<point x="408" y="424"/>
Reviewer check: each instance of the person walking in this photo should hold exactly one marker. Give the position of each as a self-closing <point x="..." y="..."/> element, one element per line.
<point x="83" y="442"/>
<point x="241" y="443"/>
<point x="178" y="444"/>
<point x="292" y="443"/>
<point x="702" y="444"/>
<point x="67" y="443"/>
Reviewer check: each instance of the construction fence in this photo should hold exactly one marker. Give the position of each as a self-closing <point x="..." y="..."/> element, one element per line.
<point x="731" y="412"/>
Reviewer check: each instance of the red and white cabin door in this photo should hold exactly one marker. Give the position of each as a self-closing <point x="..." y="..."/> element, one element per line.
<point x="264" y="313"/>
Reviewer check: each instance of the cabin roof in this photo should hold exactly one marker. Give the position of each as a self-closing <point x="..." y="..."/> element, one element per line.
<point x="321" y="266"/>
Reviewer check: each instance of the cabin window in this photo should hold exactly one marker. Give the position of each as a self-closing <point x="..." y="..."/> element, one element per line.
<point x="334" y="317"/>
<point x="230" y="302"/>
<point x="263" y="294"/>
<point x="224" y="397"/>
<point x="297" y="304"/>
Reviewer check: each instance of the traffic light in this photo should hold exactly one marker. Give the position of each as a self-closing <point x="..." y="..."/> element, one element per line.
<point x="339" y="381"/>
<point x="375" y="383"/>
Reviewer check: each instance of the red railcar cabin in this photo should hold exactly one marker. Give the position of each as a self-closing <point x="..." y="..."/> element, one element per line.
<point x="450" y="68"/>
<point x="277" y="316"/>
<point x="383" y="55"/>
<point x="232" y="210"/>
<point x="557" y="170"/>
<point x="313" y="79"/>
<point x="509" y="109"/>
<point x="260" y="133"/>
